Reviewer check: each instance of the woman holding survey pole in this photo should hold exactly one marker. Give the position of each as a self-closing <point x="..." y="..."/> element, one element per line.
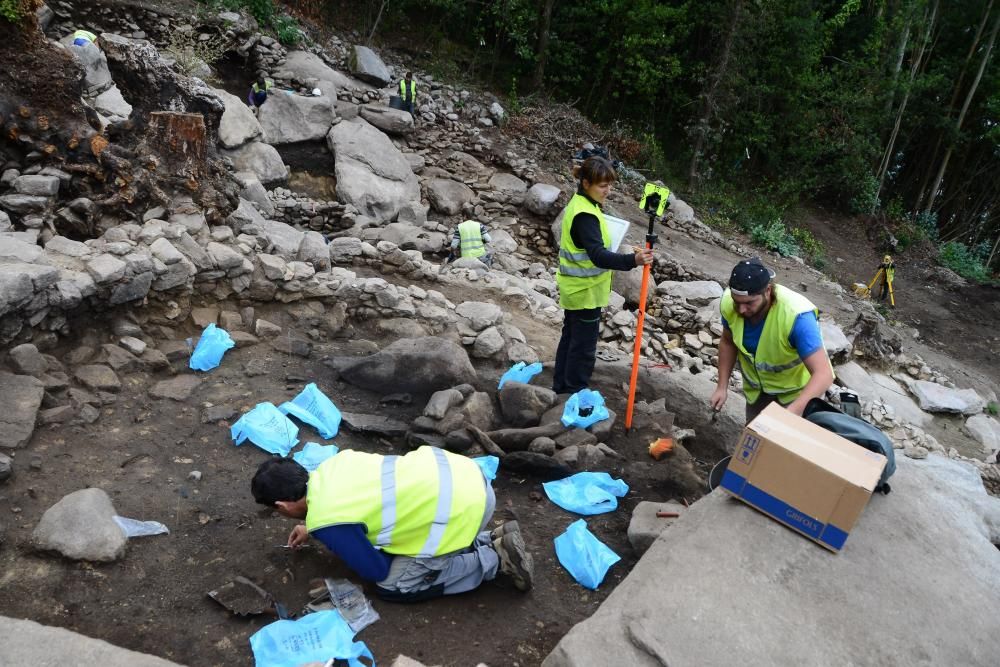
<point x="584" y="276"/>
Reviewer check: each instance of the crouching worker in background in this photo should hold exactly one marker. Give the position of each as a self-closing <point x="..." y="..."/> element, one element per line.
<point x="414" y="524"/>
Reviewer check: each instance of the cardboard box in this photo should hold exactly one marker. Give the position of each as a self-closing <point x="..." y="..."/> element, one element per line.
<point x="800" y="474"/>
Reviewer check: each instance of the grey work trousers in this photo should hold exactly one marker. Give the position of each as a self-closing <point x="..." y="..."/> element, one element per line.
<point x="414" y="579"/>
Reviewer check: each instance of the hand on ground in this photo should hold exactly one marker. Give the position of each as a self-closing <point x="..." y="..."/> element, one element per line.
<point x="298" y="536"/>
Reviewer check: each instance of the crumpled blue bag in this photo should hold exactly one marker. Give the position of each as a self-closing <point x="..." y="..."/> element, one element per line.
<point x="313" y="453"/>
<point x="586" y="492"/>
<point x="489" y="465"/>
<point x="267" y="428"/>
<point x="211" y="346"/>
<point x="584" y="408"/>
<point x="315" y="637"/>
<point x="520" y="373"/>
<point x="314" y="408"/>
<point x="586" y="557"/>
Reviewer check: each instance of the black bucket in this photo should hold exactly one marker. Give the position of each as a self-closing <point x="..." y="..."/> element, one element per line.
<point x="718" y="470"/>
<point x="395" y="102"/>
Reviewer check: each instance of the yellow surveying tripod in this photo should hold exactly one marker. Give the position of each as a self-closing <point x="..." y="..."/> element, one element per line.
<point x="886" y="272"/>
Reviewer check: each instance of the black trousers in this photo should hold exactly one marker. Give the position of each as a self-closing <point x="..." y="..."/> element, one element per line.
<point x="577" y="350"/>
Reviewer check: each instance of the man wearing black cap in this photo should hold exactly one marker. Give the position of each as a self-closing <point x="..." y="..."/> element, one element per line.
<point x="775" y="334"/>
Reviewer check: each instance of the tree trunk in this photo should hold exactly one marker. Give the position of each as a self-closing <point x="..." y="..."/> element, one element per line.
<point x="932" y="195"/>
<point x="709" y="103"/>
<point x="378" y="18"/>
<point x="951" y="105"/>
<point x="891" y="143"/>
<point x="542" y="46"/>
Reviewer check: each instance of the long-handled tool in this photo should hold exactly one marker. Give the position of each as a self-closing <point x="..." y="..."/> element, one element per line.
<point x="654" y="201"/>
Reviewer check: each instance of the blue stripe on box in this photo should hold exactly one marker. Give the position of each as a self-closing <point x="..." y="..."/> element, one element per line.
<point x="781" y="511"/>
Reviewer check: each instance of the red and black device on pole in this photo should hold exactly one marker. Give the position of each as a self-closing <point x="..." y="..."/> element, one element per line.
<point x="654" y="202"/>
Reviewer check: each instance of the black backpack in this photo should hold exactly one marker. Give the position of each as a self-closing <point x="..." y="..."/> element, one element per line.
<point x="856" y="430"/>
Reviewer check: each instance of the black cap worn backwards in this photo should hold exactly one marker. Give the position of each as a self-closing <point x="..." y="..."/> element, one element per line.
<point x="749" y="277"/>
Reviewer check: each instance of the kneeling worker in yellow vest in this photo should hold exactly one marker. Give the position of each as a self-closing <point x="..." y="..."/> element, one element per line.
<point x="470" y="239"/>
<point x="776" y="336"/>
<point x="414" y="524"/>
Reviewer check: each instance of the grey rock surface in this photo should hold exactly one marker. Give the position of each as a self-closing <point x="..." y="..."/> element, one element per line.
<point x="390" y="121"/>
<point x="27" y="360"/>
<point x="98" y="377"/>
<point x="447" y="196"/>
<point x="480" y="314"/>
<point x="870" y="386"/>
<point x="367" y="66"/>
<point x="96" y="75"/>
<point x="541" y="198"/>
<point x="986" y="430"/>
<point x="696" y="292"/>
<point x="935" y="397"/>
<point x="372" y="174"/>
<point x="307" y="65"/>
<point x="6" y="469"/>
<point x="289" y="118"/>
<point x="29" y="643"/>
<point x="178" y="388"/>
<point x="729" y="581"/>
<point x="416" y="365"/>
<point x="834" y="340"/>
<point x="507" y="182"/>
<point x="21" y="397"/>
<point x="488" y="343"/>
<point x="441" y="402"/>
<point x="260" y="159"/>
<point x="81" y="526"/>
<point x="238" y="124"/>
<point x="524" y="404"/>
<point x="644" y="526"/>
<point x="38" y="185"/>
<point x="112" y="104"/>
<point x="374" y="424"/>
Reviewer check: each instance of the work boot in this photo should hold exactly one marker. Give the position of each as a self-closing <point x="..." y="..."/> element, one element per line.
<point x="500" y="531"/>
<point x="515" y="561"/>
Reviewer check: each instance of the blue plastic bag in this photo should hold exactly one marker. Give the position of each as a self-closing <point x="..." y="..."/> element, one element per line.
<point x="313" y="453"/>
<point x="314" y="408"/>
<point x="315" y="637"/>
<point x="520" y="373"/>
<point x="267" y="428"/>
<point x="211" y="346"/>
<point x="489" y="465"/>
<point x="586" y="557"/>
<point x="584" y="408"/>
<point x="586" y="492"/>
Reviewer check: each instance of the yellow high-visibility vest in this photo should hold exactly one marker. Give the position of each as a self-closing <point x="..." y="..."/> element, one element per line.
<point x="426" y="503"/>
<point x="581" y="283"/>
<point x="471" y="237"/>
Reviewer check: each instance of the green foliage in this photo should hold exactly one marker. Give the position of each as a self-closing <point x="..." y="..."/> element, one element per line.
<point x="866" y="199"/>
<point x="288" y="31"/>
<point x="992" y="408"/>
<point x="11" y="10"/>
<point x="514" y="105"/>
<point x="775" y="236"/>
<point x="965" y="261"/>
<point x="191" y="54"/>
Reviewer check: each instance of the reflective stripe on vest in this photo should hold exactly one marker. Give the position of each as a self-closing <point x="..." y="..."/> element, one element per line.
<point x="471" y="237"/>
<point x="268" y="85"/>
<point x="581" y="284"/>
<point x="776" y="367"/>
<point x="427" y="503"/>
<point x="413" y="91"/>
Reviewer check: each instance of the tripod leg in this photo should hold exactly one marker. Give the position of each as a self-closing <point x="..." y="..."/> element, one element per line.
<point x="892" y="297"/>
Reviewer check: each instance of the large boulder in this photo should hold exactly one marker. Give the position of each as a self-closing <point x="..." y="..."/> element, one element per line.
<point x="391" y="121"/>
<point x="372" y="174"/>
<point x="408" y="237"/>
<point x="21" y="397"/>
<point x="876" y="385"/>
<point x="541" y="198"/>
<point x="367" y="66"/>
<point x="29" y="643"/>
<point x="507" y="183"/>
<point x="82" y="526"/>
<point x="935" y="397"/>
<point x="289" y="118"/>
<point x="260" y="159"/>
<point x="305" y="65"/>
<point x="447" y="196"/>
<point x="111" y="104"/>
<point x="96" y="75"/>
<point x="986" y="430"/>
<point x="834" y="340"/>
<point x="524" y="404"/>
<point x="731" y="583"/>
<point x="416" y="365"/>
<point x="238" y="124"/>
<point x="695" y="292"/>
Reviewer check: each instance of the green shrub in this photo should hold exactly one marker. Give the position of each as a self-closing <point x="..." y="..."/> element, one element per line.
<point x="811" y="246"/>
<point x="965" y="261"/>
<point x="992" y="408"/>
<point x="11" y="10"/>
<point x="866" y="198"/>
<point x="775" y="236"/>
<point x="288" y="31"/>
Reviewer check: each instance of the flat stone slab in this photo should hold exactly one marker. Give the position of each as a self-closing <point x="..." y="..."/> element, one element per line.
<point x="81" y="526"/>
<point x="870" y="386"/>
<point x="29" y="643"/>
<point x="645" y="526"/>
<point x="728" y="585"/>
<point x="373" y="424"/>
<point x="98" y="377"/>
<point x="935" y="397"/>
<point x="20" y="396"/>
<point x="177" y="388"/>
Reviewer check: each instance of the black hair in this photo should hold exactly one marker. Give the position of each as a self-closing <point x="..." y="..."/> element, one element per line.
<point x="279" y="479"/>
<point x="596" y="170"/>
<point x="409" y="75"/>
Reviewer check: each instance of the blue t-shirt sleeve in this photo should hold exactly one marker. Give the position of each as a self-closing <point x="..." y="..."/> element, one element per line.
<point x="805" y="336"/>
<point x="349" y="543"/>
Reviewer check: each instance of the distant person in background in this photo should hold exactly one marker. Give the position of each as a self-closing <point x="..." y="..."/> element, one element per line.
<point x="408" y="92"/>
<point x="258" y="92"/>
<point x="470" y="239"/>
<point x="81" y="37"/>
<point x="888" y="269"/>
<point x="584" y="278"/>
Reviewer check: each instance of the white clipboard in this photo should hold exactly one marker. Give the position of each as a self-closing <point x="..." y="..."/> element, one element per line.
<point x="617" y="228"/>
